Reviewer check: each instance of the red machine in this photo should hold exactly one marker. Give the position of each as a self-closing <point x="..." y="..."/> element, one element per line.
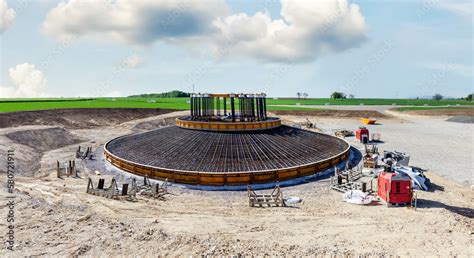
<point x="362" y="134"/>
<point x="395" y="188"/>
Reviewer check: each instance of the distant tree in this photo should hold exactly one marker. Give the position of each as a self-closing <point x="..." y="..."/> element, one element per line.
<point x="469" y="97"/>
<point x="351" y="96"/>
<point x="338" y="95"/>
<point x="298" y="94"/>
<point x="305" y="95"/>
<point x="170" y="94"/>
<point x="437" y="97"/>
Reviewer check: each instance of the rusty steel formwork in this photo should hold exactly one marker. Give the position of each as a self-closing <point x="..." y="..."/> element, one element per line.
<point x="226" y="158"/>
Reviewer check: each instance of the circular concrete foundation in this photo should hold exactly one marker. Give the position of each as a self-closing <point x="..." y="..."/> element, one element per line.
<point x="226" y="158"/>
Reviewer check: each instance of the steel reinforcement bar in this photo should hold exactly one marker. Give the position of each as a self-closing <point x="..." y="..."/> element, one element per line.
<point x="225" y="178"/>
<point x="228" y="126"/>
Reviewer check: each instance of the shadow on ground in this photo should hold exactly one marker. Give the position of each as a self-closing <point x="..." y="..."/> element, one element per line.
<point x="463" y="211"/>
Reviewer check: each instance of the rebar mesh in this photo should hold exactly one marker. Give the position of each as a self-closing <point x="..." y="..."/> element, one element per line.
<point x="192" y="150"/>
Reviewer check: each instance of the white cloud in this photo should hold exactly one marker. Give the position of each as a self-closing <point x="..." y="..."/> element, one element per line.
<point x="28" y="82"/>
<point x="307" y="29"/>
<point x="132" y="61"/>
<point x="135" y="22"/>
<point x="7" y="16"/>
<point x="462" y="8"/>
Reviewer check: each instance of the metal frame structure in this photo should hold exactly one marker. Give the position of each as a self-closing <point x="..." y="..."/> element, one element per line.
<point x="207" y="107"/>
<point x="242" y="147"/>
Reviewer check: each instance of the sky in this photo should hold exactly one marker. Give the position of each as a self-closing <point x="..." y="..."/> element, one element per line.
<point x="114" y="48"/>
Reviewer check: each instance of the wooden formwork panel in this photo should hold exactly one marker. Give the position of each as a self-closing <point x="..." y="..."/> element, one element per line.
<point x="307" y="170"/>
<point x="220" y="179"/>
<point x="287" y="174"/>
<point x="186" y="178"/>
<point x="211" y="179"/>
<point x="264" y="177"/>
<point x="238" y="179"/>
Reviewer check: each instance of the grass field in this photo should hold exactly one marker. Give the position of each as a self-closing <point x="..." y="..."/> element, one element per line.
<point x="11" y="105"/>
<point x="399" y="102"/>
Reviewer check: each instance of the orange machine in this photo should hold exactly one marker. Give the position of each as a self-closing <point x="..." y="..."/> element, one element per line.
<point x="395" y="188"/>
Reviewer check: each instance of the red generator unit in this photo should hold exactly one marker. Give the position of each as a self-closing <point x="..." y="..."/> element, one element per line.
<point x="394" y="188"/>
<point x="362" y="134"/>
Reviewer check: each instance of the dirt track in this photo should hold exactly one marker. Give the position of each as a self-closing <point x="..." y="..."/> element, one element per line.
<point x="441" y="112"/>
<point x="331" y="113"/>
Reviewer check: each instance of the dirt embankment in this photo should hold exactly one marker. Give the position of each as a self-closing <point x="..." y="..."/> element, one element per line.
<point x="30" y="146"/>
<point x="45" y="139"/>
<point x="78" y="118"/>
<point x="332" y="113"/>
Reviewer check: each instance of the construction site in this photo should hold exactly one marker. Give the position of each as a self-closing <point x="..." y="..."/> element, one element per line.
<point x="228" y="177"/>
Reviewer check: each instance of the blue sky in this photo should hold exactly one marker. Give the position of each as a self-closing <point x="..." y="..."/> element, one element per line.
<point x="401" y="49"/>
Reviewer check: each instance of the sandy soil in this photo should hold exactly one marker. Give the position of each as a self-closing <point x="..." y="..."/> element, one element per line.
<point x="332" y="113"/>
<point x="55" y="217"/>
<point x="445" y="148"/>
<point x="442" y="112"/>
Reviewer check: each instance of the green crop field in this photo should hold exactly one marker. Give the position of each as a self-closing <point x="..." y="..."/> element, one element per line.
<point x="398" y="102"/>
<point x="12" y="105"/>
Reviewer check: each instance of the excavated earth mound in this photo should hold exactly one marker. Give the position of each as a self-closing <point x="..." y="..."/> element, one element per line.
<point x="44" y="139"/>
<point x="78" y="118"/>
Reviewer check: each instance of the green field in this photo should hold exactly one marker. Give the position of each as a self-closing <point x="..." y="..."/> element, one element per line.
<point x="11" y="105"/>
<point x="399" y="102"/>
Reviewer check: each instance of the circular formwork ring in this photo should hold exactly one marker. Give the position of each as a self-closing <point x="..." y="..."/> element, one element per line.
<point x="225" y="178"/>
<point x="228" y="126"/>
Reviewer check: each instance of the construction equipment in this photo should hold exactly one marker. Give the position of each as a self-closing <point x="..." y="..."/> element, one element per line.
<point x="370" y="160"/>
<point x="349" y="179"/>
<point x="399" y="158"/>
<point x="395" y="188"/>
<point x="368" y="121"/>
<point x="371" y="149"/>
<point x="343" y="133"/>
<point x="362" y="134"/>
<point x="275" y="198"/>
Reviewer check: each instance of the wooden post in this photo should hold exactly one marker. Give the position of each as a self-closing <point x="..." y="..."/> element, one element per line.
<point x="57" y="169"/>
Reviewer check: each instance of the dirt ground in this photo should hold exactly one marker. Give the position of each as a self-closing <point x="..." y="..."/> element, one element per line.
<point x="442" y="112"/>
<point x="77" y="118"/>
<point x="55" y="217"/>
<point x="331" y="113"/>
